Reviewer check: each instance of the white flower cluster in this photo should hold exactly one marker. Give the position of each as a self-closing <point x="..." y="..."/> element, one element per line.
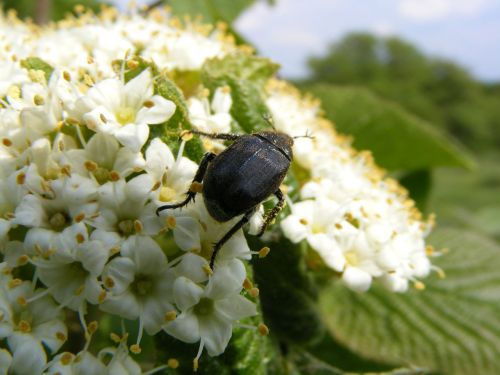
<point x="361" y="225"/>
<point x="81" y="178"/>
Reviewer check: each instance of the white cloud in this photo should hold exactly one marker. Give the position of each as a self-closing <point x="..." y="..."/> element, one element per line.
<point x="431" y="10"/>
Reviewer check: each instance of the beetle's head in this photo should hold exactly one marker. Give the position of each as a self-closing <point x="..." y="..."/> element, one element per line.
<point x="281" y="141"/>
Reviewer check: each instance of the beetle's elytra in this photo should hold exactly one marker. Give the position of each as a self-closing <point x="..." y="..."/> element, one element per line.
<point x="237" y="180"/>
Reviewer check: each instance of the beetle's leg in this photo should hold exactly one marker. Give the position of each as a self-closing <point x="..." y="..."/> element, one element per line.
<point x="271" y="215"/>
<point x="223" y="136"/>
<point x="246" y="217"/>
<point x="198" y="177"/>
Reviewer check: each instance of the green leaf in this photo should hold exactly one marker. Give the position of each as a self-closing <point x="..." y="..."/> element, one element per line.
<point x="246" y="76"/>
<point x="35" y="63"/>
<point x="211" y="11"/>
<point x="398" y="139"/>
<point x="172" y="129"/>
<point x="450" y="327"/>
<point x="287" y="294"/>
<point x="419" y="185"/>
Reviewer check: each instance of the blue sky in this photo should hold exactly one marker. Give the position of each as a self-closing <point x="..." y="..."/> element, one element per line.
<point x="467" y="31"/>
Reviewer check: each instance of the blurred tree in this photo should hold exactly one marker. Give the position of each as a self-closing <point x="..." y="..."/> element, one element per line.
<point x="435" y="89"/>
<point x="42" y="11"/>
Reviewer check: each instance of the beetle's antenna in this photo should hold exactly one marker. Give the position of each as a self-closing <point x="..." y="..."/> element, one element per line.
<point x="269" y="119"/>
<point x="307" y="135"/>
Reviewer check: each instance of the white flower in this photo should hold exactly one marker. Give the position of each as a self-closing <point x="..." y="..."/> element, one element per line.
<point x="125" y="110"/>
<point x="71" y="275"/>
<point x="104" y="159"/>
<point x="83" y="363"/>
<point x="208" y="314"/>
<point x="138" y="283"/>
<point x="5" y="361"/>
<point x="212" y="117"/>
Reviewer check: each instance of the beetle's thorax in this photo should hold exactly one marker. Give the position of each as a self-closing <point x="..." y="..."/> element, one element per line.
<point x="283" y="142"/>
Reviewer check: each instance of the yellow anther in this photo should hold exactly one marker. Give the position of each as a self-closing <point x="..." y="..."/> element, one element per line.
<point x="170" y="316"/>
<point x="6" y="142"/>
<point x="115" y="338"/>
<point x="66" y="358"/>
<point x="148" y="104"/>
<point x="264" y="252"/>
<point x="102" y="296"/>
<point x="114" y="176"/>
<point x="22" y="260"/>
<point x="195" y="364"/>
<point x="247" y="284"/>
<point x="114" y="250"/>
<point x="109" y="282"/>
<point x="303" y="221"/>
<point x="38" y="99"/>
<point x="14" y="282"/>
<point x="186" y="135"/>
<point x="254" y="292"/>
<point x="419" y="285"/>
<point x="135" y="348"/>
<point x="90" y="165"/>
<point x="338" y="225"/>
<point x="138" y="226"/>
<point x="78" y="218"/>
<point x="80" y="238"/>
<point x="196" y="187"/>
<point x="173" y="363"/>
<point x="171" y="222"/>
<point x="132" y="64"/>
<point x="103" y="118"/>
<point x="20" y="178"/>
<point x="66" y="170"/>
<point x="79" y="290"/>
<point x="90" y="59"/>
<point x="263" y="329"/>
<point x="24" y="326"/>
<point x="61" y="336"/>
<point x="67" y="76"/>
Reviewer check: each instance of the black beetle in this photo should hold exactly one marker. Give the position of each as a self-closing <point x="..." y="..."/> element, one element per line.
<point x="242" y="176"/>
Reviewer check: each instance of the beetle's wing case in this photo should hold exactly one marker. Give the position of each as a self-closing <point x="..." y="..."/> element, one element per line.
<point x="242" y="176"/>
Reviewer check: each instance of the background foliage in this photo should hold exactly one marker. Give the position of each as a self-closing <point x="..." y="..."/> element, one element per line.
<point x="431" y="124"/>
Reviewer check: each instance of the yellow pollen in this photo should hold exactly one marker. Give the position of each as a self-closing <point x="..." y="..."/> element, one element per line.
<point x="60" y="336"/>
<point x="79" y="217"/>
<point x="88" y="80"/>
<point x="66" y="358"/>
<point x="102" y="296"/>
<point x="125" y="115"/>
<point x="38" y="100"/>
<point x="7" y="142"/>
<point x="114" y="176"/>
<point x="24" y="326"/>
<point x="186" y="135"/>
<point x="90" y="165"/>
<point x="115" y="338"/>
<point x="148" y="104"/>
<point x="22" y="260"/>
<point x="196" y="187"/>
<point x="247" y="284"/>
<point x="79" y="238"/>
<point x="264" y="252"/>
<point x="14" y="92"/>
<point x="138" y="226"/>
<point x="254" y="292"/>
<point x="136" y="349"/>
<point x="171" y="222"/>
<point x="14" y="282"/>
<point x="167" y="194"/>
<point x="132" y="64"/>
<point x="109" y="282"/>
<point x="419" y="285"/>
<point x="173" y="363"/>
<point x="263" y="329"/>
<point x="20" y="178"/>
<point x="170" y="316"/>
